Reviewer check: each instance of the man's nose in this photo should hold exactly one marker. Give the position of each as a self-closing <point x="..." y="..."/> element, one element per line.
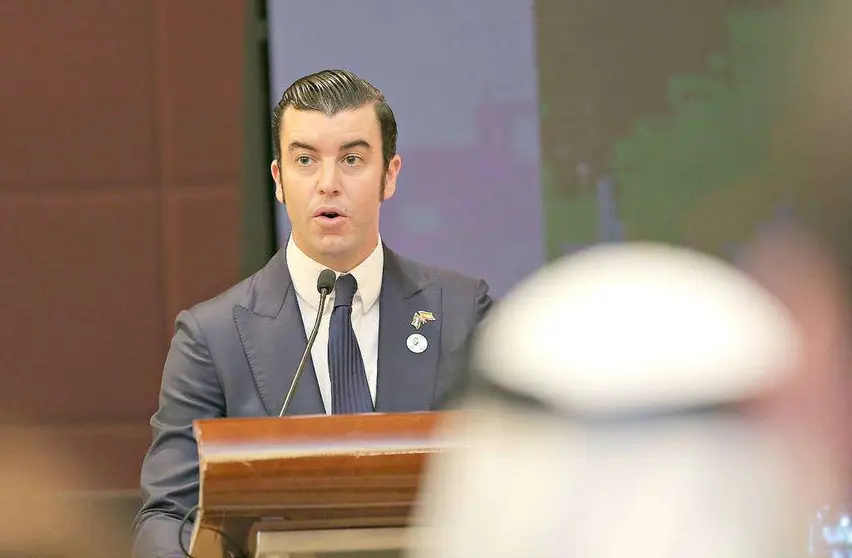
<point x="327" y="180"/>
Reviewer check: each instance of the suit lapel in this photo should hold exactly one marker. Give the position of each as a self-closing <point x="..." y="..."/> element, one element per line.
<point x="273" y="338"/>
<point x="406" y="379"/>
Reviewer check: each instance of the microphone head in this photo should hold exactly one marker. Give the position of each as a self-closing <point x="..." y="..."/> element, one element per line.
<point x="325" y="281"/>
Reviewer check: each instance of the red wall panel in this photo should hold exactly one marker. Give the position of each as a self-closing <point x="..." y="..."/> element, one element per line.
<point x="119" y="205"/>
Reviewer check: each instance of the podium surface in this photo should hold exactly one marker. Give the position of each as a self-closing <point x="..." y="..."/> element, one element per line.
<point x="310" y="483"/>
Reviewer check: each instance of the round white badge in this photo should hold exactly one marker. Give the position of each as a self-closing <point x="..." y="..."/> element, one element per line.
<point x="416" y="343"/>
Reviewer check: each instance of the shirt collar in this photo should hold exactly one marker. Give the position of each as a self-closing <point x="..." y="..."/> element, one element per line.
<point x="304" y="272"/>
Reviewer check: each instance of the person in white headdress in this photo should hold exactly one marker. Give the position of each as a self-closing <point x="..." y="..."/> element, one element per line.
<point x="622" y="403"/>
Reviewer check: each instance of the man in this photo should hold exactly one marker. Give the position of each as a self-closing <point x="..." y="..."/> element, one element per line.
<point x="236" y="355"/>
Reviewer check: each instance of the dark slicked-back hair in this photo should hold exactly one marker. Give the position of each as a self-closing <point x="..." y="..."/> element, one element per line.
<point x="333" y="91"/>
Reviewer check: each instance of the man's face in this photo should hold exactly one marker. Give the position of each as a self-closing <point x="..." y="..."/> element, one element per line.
<point x="330" y="176"/>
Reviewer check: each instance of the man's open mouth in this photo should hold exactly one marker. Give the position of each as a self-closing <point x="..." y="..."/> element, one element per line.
<point x="329" y="214"/>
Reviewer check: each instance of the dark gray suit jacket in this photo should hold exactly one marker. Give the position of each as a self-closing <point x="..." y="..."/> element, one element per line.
<point x="235" y="356"/>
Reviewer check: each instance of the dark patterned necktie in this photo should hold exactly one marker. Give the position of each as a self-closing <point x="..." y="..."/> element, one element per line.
<point x="349" y="390"/>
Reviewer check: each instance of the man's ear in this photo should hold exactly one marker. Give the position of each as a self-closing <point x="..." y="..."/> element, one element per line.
<point x="276" y="176"/>
<point x="391" y="175"/>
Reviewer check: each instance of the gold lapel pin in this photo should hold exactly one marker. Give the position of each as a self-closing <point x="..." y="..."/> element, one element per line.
<point x="421" y="317"/>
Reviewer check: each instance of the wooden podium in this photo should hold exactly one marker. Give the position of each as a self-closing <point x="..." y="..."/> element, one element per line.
<point x="307" y="485"/>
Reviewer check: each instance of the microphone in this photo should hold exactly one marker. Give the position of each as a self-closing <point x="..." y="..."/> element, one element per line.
<point x="325" y="284"/>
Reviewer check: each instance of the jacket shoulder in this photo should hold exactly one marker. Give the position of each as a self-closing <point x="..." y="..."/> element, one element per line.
<point x="219" y="309"/>
<point x="444" y="277"/>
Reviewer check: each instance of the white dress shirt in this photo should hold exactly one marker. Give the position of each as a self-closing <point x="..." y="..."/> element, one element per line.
<point x="365" y="312"/>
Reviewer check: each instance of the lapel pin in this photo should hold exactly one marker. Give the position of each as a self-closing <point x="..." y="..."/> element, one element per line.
<point x="416" y="343"/>
<point x="421" y="317"/>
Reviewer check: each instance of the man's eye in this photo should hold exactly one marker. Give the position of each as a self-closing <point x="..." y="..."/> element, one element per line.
<point x="303" y="160"/>
<point x="351" y="159"/>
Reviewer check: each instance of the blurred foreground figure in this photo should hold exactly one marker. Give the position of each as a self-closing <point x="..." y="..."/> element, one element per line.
<point x="809" y="267"/>
<point x="38" y="517"/>
<point x="632" y="400"/>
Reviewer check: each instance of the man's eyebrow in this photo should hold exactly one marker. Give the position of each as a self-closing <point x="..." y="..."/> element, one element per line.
<point x="299" y="145"/>
<point x="356" y="143"/>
